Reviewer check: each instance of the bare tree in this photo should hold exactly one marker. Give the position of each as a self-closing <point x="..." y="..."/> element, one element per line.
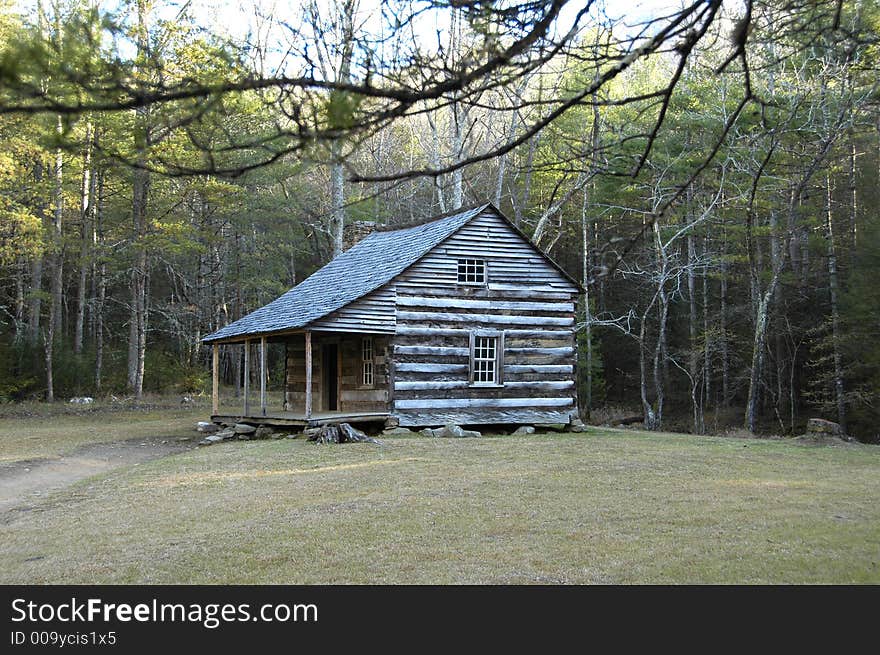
<point x="334" y="45"/>
<point x="143" y="139"/>
<point x="87" y="192"/>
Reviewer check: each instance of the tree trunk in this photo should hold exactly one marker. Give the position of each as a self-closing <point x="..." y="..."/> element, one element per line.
<point x="499" y="179"/>
<point x="762" y="311"/>
<point x="19" y="300"/>
<point x="36" y="286"/>
<point x="137" y="324"/>
<point x="839" y="394"/>
<point x="57" y="243"/>
<point x="140" y="197"/>
<point x="660" y="355"/>
<point x="337" y="197"/>
<point x="239" y="312"/>
<point x="96" y="200"/>
<point x="36" y="272"/>
<point x="458" y="114"/>
<point x="650" y="418"/>
<point x="792" y="393"/>
<point x="694" y="359"/>
<point x="758" y="357"/>
<point x="654" y="414"/>
<point x="48" y="348"/>
<point x="853" y="195"/>
<point x="86" y="193"/>
<point x="588" y="319"/>
<point x="101" y="282"/>
<point x="55" y="300"/>
<point x="337" y="171"/>
<point x="458" y="117"/>
<point x="760" y="306"/>
<point x="511" y="134"/>
<point x="708" y="342"/>
<point x="725" y="350"/>
<point x="35" y="302"/>
<point x="778" y="309"/>
<point x="661" y="352"/>
<point x="436" y="162"/>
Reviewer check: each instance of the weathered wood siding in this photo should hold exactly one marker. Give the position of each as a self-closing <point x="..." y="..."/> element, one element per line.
<point x="352" y="395"/>
<point x="515" y="265"/>
<point x="525" y="297"/>
<point x="374" y="313"/>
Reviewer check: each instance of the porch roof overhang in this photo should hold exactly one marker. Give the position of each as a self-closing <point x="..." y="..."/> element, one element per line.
<point x="277" y="336"/>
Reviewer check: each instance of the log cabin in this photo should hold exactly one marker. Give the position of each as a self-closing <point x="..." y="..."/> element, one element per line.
<point x="459" y="319"/>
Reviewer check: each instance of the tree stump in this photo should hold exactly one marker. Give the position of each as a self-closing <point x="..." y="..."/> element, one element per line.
<point x="342" y="433"/>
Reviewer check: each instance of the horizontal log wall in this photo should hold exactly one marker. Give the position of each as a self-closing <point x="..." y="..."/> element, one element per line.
<point x="422" y="331"/>
<point x="476" y="403"/>
<point x="484" y="320"/>
<point x="518" y="416"/>
<point x="525" y="297"/>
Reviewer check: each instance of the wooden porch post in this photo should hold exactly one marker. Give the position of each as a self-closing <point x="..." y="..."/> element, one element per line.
<point x="247" y="376"/>
<point x="308" y="374"/>
<point x="215" y="380"/>
<point x="263" y="375"/>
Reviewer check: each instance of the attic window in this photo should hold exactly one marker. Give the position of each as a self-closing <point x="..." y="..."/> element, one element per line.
<point x="472" y="271"/>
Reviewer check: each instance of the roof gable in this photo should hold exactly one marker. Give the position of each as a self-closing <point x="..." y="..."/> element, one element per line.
<point x="366" y="266"/>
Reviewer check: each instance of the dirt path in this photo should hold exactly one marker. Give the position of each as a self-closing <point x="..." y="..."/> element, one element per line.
<point x="22" y="483"/>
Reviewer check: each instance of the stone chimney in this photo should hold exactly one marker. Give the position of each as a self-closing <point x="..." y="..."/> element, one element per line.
<point x="355" y="231"/>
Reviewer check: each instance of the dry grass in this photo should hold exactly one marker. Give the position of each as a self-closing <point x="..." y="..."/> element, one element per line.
<point x="25" y="439"/>
<point x="35" y="429"/>
<point x="605" y="506"/>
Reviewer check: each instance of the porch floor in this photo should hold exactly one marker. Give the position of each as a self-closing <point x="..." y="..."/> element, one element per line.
<point x="289" y="419"/>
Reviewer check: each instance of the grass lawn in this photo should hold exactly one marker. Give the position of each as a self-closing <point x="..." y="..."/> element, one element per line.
<point x="33" y="430"/>
<point x="52" y="436"/>
<point x="605" y="506"/>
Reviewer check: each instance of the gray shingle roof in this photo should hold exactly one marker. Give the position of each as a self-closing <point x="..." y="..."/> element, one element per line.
<point x="366" y="266"/>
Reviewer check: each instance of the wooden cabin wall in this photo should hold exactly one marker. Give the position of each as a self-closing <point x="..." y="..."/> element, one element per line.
<point x="515" y="264"/>
<point x="525" y="297"/>
<point x="353" y="396"/>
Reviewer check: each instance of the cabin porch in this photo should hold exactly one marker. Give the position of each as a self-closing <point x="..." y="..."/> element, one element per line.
<point x="329" y="377"/>
<point x="299" y="419"/>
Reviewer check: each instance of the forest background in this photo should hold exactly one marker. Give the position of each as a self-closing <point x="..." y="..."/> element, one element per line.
<point x="710" y="171"/>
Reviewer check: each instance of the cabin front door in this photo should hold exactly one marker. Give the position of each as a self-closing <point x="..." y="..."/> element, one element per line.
<point x="330" y="368"/>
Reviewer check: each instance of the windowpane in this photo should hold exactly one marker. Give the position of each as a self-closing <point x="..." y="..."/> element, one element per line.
<point x="485" y="362"/>
<point x="472" y="271"/>
<point x="367" y="361"/>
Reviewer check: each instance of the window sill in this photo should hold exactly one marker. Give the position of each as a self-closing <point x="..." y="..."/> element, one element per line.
<point x="484" y="385"/>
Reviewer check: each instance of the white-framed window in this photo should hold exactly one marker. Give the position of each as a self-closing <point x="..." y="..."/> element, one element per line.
<point x="472" y="271"/>
<point x="367" y="361"/>
<point x="487" y="358"/>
